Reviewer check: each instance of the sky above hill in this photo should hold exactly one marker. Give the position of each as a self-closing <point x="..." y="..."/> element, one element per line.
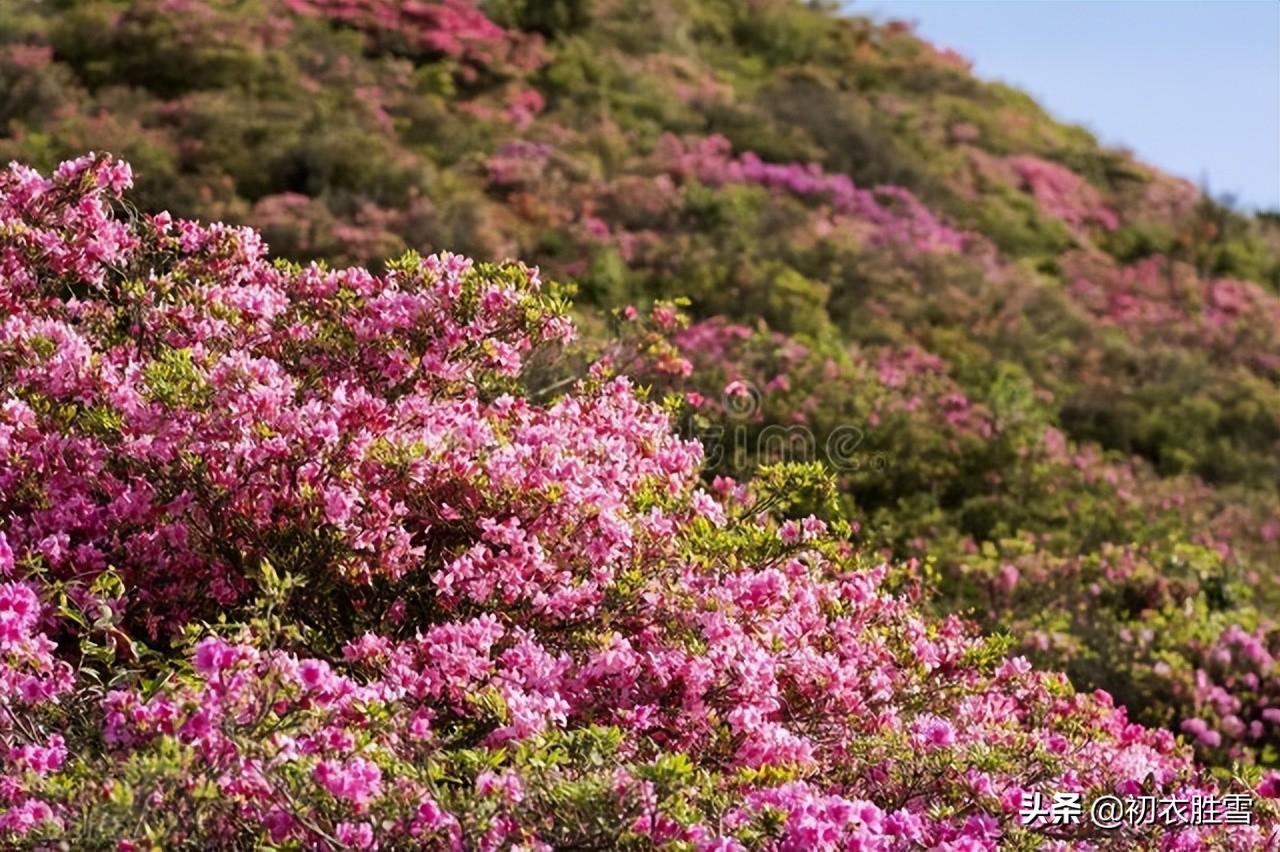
<point x="1192" y="87"/>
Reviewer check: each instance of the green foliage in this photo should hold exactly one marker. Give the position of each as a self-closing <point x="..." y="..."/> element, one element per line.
<point x="551" y="18"/>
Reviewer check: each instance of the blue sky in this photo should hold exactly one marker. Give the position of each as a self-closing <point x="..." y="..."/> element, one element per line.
<point x="1191" y="86"/>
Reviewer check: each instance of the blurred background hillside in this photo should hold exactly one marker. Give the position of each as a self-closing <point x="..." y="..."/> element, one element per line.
<point x="1192" y="87"/>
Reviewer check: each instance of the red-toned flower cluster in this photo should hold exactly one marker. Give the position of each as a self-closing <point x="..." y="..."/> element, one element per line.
<point x="454" y="28"/>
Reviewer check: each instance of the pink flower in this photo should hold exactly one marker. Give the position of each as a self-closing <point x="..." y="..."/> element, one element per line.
<point x="314" y="674"/>
<point x="664" y="316"/>
<point x="507" y="785"/>
<point x="213" y="654"/>
<point x="1200" y="729"/>
<point x="358" y="780"/>
<point x="355" y="835"/>
<point x="1269" y="787"/>
<point x="1008" y="577"/>
<point x="813" y="527"/>
<point x="339" y="505"/>
<point x="6" y="557"/>
<point x="935" y="733"/>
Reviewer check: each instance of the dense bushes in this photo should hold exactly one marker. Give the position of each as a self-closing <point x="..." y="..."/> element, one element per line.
<point x="1043" y="376"/>
<point x="291" y="559"/>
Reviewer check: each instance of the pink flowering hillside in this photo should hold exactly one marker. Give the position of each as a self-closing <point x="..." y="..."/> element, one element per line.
<point x="1044" y="375"/>
<point x="303" y="558"/>
<point x="887" y="458"/>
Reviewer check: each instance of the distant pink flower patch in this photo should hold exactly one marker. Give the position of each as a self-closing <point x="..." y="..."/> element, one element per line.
<point x="518" y="164"/>
<point x="1156" y="298"/>
<point x="1203" y="734"/>
<point x="455" y="28"/>
<point x="1063" y="194"/>
<point x="28" y="57"/>
<point x="525" y="107"/>
<point x="894" y="214"/>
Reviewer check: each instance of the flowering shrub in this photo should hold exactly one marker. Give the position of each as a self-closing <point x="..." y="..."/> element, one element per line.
<point x="1095" y="564"/>
<point x="1235" y="687"/>
<point x="894" y="212"/>
<point x="455" y="28"/>
<point x="1063" y="194"/>
<point x="291" y="557"/>
<point x="31" y="683"/>
<point x="1230" y="319"/>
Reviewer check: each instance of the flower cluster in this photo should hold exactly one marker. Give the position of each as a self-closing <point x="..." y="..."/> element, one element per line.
<point x="1095" y="563"/>
<point x="31" y="680"/>
<point x="454" y="28"/>
<point x="1044" y="377"/>
<point x="185" y="455"/>
<point x="1157" y="298"/>
<point x="333" y="577"/>
<point x="896" y="215"/>
<point x="1063" y="193"/>
<point x="1235" y="691"/>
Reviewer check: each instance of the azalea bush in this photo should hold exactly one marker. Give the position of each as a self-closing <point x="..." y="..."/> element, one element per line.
<point x="295" y="556"/>
<point x="1087" y="557"/>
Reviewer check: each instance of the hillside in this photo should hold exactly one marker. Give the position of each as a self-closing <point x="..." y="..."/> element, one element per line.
<point x="1028" y="387"/>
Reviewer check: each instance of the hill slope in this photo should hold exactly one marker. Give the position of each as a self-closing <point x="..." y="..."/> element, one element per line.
<point x="1045" y="376"/>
